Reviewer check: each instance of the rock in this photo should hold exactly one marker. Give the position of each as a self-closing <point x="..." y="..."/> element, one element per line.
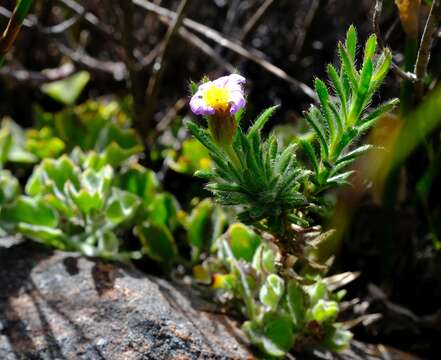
<point x="57" y="305"/>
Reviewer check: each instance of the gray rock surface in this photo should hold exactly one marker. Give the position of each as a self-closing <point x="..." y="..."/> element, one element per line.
<point x="57" y="305"/>
<point x="60" y="306"/>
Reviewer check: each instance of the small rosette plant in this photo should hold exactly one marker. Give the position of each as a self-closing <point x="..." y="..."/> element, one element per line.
<point x="72" y="209"/>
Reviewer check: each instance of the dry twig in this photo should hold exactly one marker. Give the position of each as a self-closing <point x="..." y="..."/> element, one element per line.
<point x="88" y="17"/>
<point x="423" y="56"/>
<point x="117" y="69"/>
<point x="37" y="78"/>
<point x="309" y="17"/>
<point x="205" y="48"/>
<point x="159" y="67"/>
<point x="128" y="40"/>
<point x="229" y="44"/>
<point x="252" y="24"/>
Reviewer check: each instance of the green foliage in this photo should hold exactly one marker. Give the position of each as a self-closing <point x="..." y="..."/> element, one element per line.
<point x="342" y="117"/>
<point x="280" y="310"/>
<point x="243" y="241"/>
<point x="103" y="128"/>
<point x="12" y="144"/>
<point x="254" y="173"/>
<point x="68" y="90"/>
<point x="9" y="187"/>
<point x="72" y="209"/>
<point x="22" y="9"/>
<point x="278" y="286"/>
<point x="157" y="241"/>
<point x="43" y="144"/>
<point x="98" y="194"/>
<point x="192" y="157"/>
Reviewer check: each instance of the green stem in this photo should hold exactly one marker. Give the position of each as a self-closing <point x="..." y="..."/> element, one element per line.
<point x="232" y="155"/>
<point x="247" y="294"/>
<point x="13" y="28"/>
<point x="22" y="9"/>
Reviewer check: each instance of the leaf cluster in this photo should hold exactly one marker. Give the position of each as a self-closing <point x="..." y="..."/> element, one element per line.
<point x="280" y="311"/>
<point x="254" y="174"/>
<point x="72" y="209"/>
<point x="91" y="200"/>
<point x="343" y="115"/>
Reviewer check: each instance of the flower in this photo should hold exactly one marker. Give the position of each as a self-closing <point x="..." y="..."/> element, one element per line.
<point x="222" y="97"/>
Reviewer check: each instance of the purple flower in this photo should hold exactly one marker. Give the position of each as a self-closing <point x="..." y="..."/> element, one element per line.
<point x="222" y="96"/>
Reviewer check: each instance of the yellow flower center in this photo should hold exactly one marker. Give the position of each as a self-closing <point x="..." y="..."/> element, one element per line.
<point x="218" y="98"/>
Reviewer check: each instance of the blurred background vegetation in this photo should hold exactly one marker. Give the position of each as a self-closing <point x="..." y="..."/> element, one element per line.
<point x="140" y="55"/>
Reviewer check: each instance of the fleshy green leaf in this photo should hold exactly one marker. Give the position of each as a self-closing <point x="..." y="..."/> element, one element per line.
<point x="198" y="222"/>
<point x="296" y="302"/>
<point x="264" y="259"/>
<point x="157" y="242"/>
<point x="68" y="90"/>
<point x="272" y="291"/>
<point x="122" y="206"/>
<point x="338" y="339"/>
<point x="164" y="210"/>
<point x="324" y="311"/>
<point x="243" y="241"/>
<point x="274" y="336"/>
<point x="139" y="181"/>
<point x="28" y="210"/>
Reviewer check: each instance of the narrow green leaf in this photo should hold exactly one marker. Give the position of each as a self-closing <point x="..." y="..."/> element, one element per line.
<point x="204" y="137"/>
<point x="361" y="94"/>
<point x="309" y="150"/>
<point x="339" y="89"/>
<point x="345" y="140"/>
<point x="193" y="87"/>
<point x="351" y="42"/>
<point x="382" y="66"/>
<point x="340" y="179"/>
<point x="348" y="67"/>
<point x="205" y="174"/>
<point x="352" y="155"/>
<point x="337" y="116"/>
<point x="323" y="94"/>
<point x="319" y="131"/>
<point x="285" y="158"/>
<point x="374" y="115"/>
<point x="261" y="121"/>
<point x="22" y="9"/>
<point x="370" y="48"/>
<point x="224" y="187"/>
